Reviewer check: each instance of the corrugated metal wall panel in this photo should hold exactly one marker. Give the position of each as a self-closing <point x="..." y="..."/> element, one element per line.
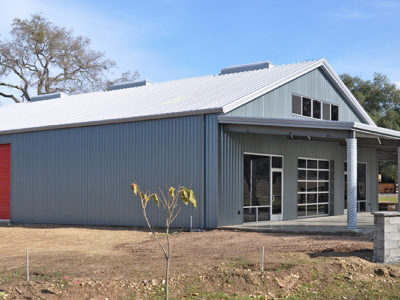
<point x="211" y="176"/>
<point x="233" y="145"/>
<point x="278" y="103"/>
<point x="83" y="175"/>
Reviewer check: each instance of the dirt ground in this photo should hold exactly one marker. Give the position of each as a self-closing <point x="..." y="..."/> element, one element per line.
<point x="121" y="263"/>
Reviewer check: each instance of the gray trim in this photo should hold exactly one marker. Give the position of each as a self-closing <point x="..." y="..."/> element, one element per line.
<point x="113" y="121"/>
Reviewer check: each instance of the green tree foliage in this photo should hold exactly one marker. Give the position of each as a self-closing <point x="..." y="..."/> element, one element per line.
<point x="381" y="99"/>
<point x="42" y="58"/>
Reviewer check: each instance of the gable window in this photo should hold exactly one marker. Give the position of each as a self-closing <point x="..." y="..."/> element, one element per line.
<point x="296" y="105"/>
<point x="316" y="109"/>
<point x="327" y="111"/>
<point x="334" y="112"/>
<point x="306" y="107"/>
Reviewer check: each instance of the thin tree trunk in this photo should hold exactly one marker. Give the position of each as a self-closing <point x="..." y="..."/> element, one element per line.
<point x="166" y="279"/>
<point x="168" y="259"/>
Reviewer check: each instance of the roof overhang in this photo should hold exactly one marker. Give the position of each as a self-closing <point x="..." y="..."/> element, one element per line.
<point x="383" y="139"/>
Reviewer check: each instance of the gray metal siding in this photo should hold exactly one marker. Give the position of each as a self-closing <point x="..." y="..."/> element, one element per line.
<point x="83" y="175"/>
<point x="278" y="103"/>
<point x="211" y="179"/>
<point x="233" y="145"/>
<point x="370" y="157"/>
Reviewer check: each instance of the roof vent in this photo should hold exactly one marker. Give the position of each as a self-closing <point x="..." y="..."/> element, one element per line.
<point x="48" y="96"/>
<point x="247" y="67"/>
<point x="128" y="84"/>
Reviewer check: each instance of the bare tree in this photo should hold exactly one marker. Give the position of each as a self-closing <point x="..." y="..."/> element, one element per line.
<point x="172" y="206"/>
<point x="42" y="58"/>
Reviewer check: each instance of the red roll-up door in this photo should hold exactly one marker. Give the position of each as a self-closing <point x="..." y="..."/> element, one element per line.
<point x="5" y="170"/>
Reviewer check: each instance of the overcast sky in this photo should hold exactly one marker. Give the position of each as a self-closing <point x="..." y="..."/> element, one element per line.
<point x="167" y="39"/>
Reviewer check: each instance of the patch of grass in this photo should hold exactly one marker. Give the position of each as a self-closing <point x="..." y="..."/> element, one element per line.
<point x="281" y="267"/>
<point x="388" y="199"/>
<point x="242" y="263"/>
<point x="341" y="287"/>
<point x="13" y="275"/>
<point x="314" y="274"/>
<point x="158" y="292"/>
<point x="218" y="296"/>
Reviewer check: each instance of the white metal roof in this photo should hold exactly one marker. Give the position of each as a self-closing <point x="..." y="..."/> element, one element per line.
<point x="206" y="94"/>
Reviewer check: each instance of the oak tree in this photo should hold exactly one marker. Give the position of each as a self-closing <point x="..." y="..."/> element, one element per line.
<point x="381" y="99"/>
<point x="41" y="58"/>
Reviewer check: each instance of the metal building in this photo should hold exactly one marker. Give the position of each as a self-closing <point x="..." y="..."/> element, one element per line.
<point x="258" y="142"/>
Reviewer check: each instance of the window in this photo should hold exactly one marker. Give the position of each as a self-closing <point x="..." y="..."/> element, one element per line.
<point x="311" y="108"/>
<point x="327" y="111"/>
<point x="296" y="105"/>
<point x="313" y="187"/>
<point x="277" y="162"/>
<point x="306" y="107"/>
<point x="316" y="109"/>
<point x="334" y="112"/>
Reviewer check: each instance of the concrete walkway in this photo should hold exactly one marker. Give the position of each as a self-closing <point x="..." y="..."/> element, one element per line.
<point x="318" y="225"/>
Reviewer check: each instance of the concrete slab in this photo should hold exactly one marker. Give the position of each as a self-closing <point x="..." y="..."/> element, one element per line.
<point x="332" y="225"/>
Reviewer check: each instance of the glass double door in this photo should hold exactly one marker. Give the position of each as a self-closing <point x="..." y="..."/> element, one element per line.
<point x="262" y="188"/>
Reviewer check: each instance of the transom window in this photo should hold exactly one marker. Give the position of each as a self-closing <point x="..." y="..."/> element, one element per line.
<point x="312" y="108"/>
<point x="313" y="187"/>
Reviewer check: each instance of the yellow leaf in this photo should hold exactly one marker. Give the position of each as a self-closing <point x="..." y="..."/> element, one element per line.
<point x="192" y="199"/>
<point x="144" y="197"/>
<point x="134" y="188"/>
<point x="156" y="199"/>
<point x="184" y="195"/>
<point x="172" y="191"/>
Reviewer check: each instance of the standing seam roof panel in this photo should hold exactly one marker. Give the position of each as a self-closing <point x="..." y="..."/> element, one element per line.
<point x="213" y="93"/>
<point x="186" y="95"/>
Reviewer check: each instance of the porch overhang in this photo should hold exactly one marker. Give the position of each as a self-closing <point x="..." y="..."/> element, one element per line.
<point x="386" y="141"/>
<point x="353" y="135"/>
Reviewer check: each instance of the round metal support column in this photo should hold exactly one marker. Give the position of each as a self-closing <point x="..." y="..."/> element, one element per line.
<point x="351" y="183"/>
